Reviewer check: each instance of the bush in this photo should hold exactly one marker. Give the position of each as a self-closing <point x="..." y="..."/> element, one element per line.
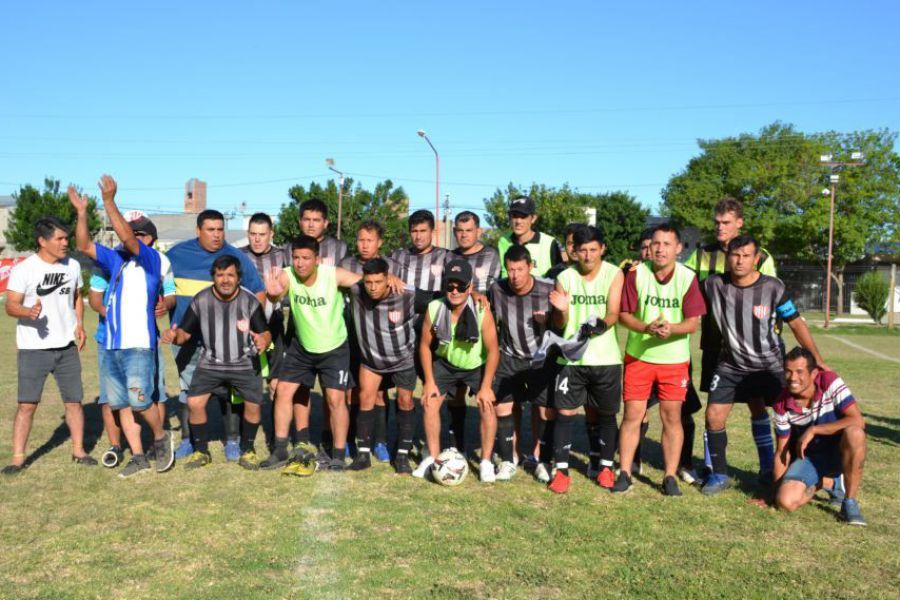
<point x="871" y="295"/>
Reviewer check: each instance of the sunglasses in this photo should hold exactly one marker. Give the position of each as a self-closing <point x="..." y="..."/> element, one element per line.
<point x="456" y="286"/>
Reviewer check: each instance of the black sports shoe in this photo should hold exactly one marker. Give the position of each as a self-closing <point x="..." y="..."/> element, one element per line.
<point x="85" y="461"/>
<point x="401" y="464"/>
<point x="670" y="486"/>
<point x="10" y="470"/>
<point x="622" y="484"/>
<point x="276" y="460"/>
<point x="362" y="462"/>
<point x="336" y="465"/>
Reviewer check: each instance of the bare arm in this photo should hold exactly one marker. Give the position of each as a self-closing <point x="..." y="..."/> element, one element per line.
<point x="95" y="300"/>
<point x="559" y="299"/>
<point x="614" y="299"/>
<point x="83" y="241"/>
<point x="15" y="309"/>
<point x="782" y="457"/>
<point x="429" y="388"/>
<point x="489" y="339"/>
<point x="108" y="190"/>
<point x="634" y="324"/>
<point x="80" y="336"/>
<point x="689" y="325"/>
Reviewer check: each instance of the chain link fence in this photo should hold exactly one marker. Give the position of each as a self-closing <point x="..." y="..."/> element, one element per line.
<point x="806" y="285"/>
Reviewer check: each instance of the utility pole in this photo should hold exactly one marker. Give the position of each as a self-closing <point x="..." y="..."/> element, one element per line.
<point x="446" y="243"/>
<point x="892" y="297"/>
<point x="329" y="162"/>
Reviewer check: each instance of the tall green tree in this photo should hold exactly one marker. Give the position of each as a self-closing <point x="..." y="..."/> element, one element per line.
<point x="384" y="203"/>
<point x="619" y="215"/>
<point x="32" y="204"/>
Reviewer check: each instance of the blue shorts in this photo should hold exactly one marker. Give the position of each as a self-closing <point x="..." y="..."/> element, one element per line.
<point x="814" y="467"/>
<point x="129" y="377"/>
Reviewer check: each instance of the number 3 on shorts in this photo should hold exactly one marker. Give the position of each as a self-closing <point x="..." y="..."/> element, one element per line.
<point x="714" y="383"/>
<point x="562" y="385"/>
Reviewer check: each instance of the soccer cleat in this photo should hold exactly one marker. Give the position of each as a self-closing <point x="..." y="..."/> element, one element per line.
<point x="323" y="457"/>
<point x="851" y="513"/>
<point x="542" y="473"/>
<point x="606" y="478"/>
<point x="275" y="460"/>
<point x="185" y="449"/>
<point x="401" y="464"/>
<point x="670" y="486"/>
<point x="337" y="465"/>
<point x="304" y="467"/>
<point x="85" y="461"/>
<point x="765" y="479"/>
<point x="164" y="453"/>
<point x="232" y="450"/>
<point x="10" y="470"/>
<point x="486" y="472"/>
<point x="592" y="473"/>
<point x="529" y="463"/>
<point x="136" y="466"/>
<point x="623" y="483"/>
<point x="506" y="471"/>
<point x="560" y="483"/>
<point x="112" y="457"/>
<point x="249" y="460"/>
<point x="715" y="483"/>
<point x="381" y="453"/>
<point x="424" y="467"/>
<point x="837" y="492"/>
<point x="689" y="476"/>
<point x="198" y="459"/>
<point x="362" y="462"/>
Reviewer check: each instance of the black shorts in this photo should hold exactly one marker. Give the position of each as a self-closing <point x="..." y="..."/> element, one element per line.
<point x="728" y="387"/>
<point x="517" y="381"/>
<point x="404" y="379"/>
<point x="275" y="356"/>
<point x="448" y="378"/>
<point x="246" y="382"/>
<point x="332" y="367"/>
<point x="597" y="387"/>
<point x="35" y="365"/>
<point x="709" y="362"/>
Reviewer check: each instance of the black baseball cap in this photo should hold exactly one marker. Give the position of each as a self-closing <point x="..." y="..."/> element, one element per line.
<point x="459" y="270"/>
<point x="141" y="224"/>
<point x="522" y="205"/>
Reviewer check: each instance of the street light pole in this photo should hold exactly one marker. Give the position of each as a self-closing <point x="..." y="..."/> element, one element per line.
<point x="330" y="163"/>
<point x="437" y="176"/>
<point x="856" y="160"/>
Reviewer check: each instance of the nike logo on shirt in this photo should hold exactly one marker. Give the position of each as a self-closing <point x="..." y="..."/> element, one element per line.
<point x="51" y="283"/>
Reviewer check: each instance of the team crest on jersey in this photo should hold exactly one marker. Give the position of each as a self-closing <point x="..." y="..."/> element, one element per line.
<point x="437" y="269"/>
<point x="395" y="316"/>
<point x="760" y="311"/>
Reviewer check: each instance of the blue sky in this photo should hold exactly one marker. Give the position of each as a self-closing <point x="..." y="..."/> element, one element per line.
<point x="252" y="97"/>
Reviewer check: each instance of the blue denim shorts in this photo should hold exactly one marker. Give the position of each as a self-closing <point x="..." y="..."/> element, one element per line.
<point x="129" y="378"/>
<point x="814" y="467"/>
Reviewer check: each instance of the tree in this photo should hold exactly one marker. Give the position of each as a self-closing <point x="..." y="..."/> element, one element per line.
<point x="619" y="215"/>
<point x="778" y="176"/>
<point x="385" y="203"/>
<point x="871" y="294"/>
<point x="32" y="204"/>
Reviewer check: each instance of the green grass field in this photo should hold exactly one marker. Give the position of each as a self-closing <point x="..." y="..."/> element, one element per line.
<point x="69" y="532"/>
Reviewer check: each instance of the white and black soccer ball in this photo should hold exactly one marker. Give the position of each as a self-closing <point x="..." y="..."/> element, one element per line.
<point x="450" y="468"/>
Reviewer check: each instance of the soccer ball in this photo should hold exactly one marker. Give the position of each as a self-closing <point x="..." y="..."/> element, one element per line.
<point x="450" y="468"/>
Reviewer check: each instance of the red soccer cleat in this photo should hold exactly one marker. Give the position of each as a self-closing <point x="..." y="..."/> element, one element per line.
<point x="560" y="483"/>
<point x="606" y="478"/>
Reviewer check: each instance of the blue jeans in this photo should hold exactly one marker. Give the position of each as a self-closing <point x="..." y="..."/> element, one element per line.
<point x="129" y="378"/>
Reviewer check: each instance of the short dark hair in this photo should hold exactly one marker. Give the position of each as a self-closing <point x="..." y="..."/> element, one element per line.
<point x="667" y="228"/>
<point x="588" y="234"/>
<point x="646" y="234"/>
<point x="798" y="352"/>
<point x="371" y="225"/>
<point x="729" y="204"/>
<point x="376" y="266"/>
<point x="45" y="226"/>
<point x="260" y="218"/>
<point x="315" y="205"/>
<point x="516" y="253"/>
<point x="743" y="240"/>
<point x="571" y="228"/>
<point x="421" y="216"/>
<point x="209" y="215"/>
<point x="305" y="242"/>
<point x="466" y="216"/>
<point x="225" y="261"/>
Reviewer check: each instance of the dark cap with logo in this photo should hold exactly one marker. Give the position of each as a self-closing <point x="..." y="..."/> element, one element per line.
<point x="522" y="205"/>
<point x="141" y="224"/>
<point x="459" y="270"/>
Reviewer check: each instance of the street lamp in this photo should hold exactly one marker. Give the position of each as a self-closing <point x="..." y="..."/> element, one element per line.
<point x="827" y="160"/>
<point x="330" y="163"/>
<point x="437" y="175"/>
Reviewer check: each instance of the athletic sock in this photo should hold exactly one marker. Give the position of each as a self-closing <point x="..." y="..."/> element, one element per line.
<point x="687" y="448"/>
<point x="765" y="447"/>
<point x="609" y="437"/>
<point x="185" y="422"/>
<point x="593" y="432"/>
<point x="458" y="425"/>
<point x="248" y="435"/>
<point x="707" y="459"/>
<point x="338" y="453"/>
<point x="353" y="428"/>
<point x="301" y="436"/>
<point x="505" y="428"/>
<point x="232" y="418"/>
<point x="380" y="429"/>
<point x="718" y="442"/>
<point x="280" y="450"/>
<point x="545" y="440"/>
<point x="364" y="425"/>
<point x="200" y="437"/>
<point x="640" y="446"/>
<point x="327" y="439"/>
<point x="406" y="429"/>
<point x="562" y="442"/>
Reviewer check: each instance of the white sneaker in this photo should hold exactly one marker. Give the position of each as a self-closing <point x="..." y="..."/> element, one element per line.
<point x="486" y="472"/>
<point x="423" y="468"/>
<point x="542" y="473"/>
<point x="506" y="471"/>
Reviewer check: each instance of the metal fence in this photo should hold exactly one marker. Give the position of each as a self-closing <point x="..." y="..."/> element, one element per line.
<point x="806" y="285"/>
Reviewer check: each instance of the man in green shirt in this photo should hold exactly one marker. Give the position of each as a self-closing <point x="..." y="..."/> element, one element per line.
<point x="544" y="249"/>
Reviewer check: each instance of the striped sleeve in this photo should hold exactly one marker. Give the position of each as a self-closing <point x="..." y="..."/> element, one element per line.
<point x="782" y="420"/>
<point x="838" y="391"/>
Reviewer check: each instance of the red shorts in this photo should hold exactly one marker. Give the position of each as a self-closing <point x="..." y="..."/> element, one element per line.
<point x="671" y="380"/>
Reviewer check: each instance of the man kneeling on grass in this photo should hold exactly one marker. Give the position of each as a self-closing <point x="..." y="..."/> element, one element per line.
<point x="821" y="434"/>
<point x="232" y="327"/>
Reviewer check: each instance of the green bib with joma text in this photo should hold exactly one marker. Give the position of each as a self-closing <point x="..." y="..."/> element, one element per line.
<point x="664" y="300"/>
<point x="460" y="354"/>
<point x="318" y="310"/>
<point x="589" y="299"/>
<point x="541" y="253"/>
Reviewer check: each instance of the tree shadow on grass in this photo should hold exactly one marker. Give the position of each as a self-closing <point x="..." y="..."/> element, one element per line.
<point x="889" y="435"/>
